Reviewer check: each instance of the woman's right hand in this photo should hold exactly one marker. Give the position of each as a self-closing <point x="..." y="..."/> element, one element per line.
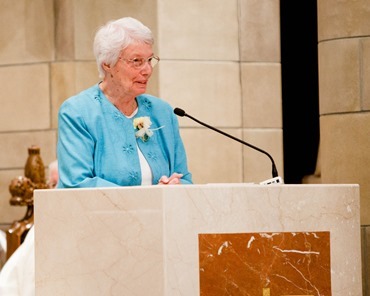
<point x="172" y="180"/>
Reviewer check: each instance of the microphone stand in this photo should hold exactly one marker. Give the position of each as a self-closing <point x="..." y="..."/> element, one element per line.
<point x="182" y="113"/>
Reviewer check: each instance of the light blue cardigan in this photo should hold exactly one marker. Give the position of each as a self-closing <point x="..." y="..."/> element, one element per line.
<point x="97" y="144"/>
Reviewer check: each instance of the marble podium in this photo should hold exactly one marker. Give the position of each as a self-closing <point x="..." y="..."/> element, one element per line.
<point x="214" y="239"/>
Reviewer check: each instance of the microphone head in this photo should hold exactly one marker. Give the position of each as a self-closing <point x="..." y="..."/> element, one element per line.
<point x="179" y="112"/>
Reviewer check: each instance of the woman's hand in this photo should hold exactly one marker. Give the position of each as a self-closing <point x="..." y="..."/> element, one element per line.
<point x="172" y="180"/>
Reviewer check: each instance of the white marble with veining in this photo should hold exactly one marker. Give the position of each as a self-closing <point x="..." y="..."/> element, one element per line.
<point x="144" y="240"/>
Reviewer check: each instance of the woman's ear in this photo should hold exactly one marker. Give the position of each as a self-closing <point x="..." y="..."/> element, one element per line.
<point x="106" y="67"/>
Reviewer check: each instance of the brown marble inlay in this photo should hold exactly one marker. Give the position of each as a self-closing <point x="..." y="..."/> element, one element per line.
<point x="265" y="264"/>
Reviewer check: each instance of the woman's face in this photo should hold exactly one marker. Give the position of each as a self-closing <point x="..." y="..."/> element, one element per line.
<point x="129" y="78"/>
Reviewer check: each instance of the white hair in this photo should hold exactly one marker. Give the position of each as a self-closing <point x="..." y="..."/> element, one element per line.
<point x="115" y="36"/>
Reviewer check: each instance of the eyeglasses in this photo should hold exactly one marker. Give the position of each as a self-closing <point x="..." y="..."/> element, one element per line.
<point x="139" y="63"/>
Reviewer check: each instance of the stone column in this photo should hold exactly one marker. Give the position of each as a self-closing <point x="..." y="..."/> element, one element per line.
<point x="344" y="83"/>
<point x="344" y="80"/>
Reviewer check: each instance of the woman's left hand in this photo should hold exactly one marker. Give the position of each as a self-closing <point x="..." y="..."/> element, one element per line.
<point x="172" y="180"/>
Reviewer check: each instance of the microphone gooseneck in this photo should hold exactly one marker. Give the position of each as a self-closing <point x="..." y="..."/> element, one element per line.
<point x="182" y="113"/>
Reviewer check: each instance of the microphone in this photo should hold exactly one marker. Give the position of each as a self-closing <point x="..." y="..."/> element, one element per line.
<point x="275" y="175"/>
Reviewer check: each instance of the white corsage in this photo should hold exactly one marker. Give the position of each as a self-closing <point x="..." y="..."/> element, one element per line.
<point x="142" y="127"/>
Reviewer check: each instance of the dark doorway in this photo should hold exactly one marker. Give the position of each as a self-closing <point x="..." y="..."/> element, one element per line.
<point x="299" y="59"/>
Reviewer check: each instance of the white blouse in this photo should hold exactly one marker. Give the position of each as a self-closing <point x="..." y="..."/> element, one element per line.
<point x="146" y="171"/>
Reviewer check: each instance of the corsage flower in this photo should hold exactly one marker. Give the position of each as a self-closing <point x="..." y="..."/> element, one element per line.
<point x="142" y="127"/>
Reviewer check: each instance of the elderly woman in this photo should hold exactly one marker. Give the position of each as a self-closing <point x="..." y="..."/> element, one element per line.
<point x="112" y="134"/>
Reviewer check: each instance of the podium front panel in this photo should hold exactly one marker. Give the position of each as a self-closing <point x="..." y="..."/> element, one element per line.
<point x="240" y="239"/>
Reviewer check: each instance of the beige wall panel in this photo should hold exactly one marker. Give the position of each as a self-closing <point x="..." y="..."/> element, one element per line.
<point x="345" y="157"/>
<point x="9" y="213"/>
<point x="64" y="30"/>
<point x="27" y="31"/>
<point x="193" y="29"/>
<point x="257" y="166"/>
<point x="212" y="157"/>
<point x="90" y="15"/>
<point x="339" y="76"/>
<point x="68" y="79"/>
<point x="262" y="104"/>
<point x="338" y="19"/>
<point x="14" y="147"/>
<point x="260" y="30"/>
<point x="209" y="91"/>
<point x="365" y="69"/>
<point x="24" y="98"/>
